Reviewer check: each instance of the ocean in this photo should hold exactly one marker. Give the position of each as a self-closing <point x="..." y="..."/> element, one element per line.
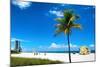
<point x="92" y="51"/>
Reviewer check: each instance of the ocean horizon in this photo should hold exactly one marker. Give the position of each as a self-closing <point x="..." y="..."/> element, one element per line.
<point x="92" y="51"/>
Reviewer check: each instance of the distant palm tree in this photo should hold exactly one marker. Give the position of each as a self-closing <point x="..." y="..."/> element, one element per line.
<point x="65" y="24"/>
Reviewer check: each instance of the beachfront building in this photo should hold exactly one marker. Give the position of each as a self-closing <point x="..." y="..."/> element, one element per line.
<point x="84" y="50"/>
<point x="17" y="46"/>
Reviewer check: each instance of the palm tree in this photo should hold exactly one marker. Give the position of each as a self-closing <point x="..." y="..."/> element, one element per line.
<point x="65" y="24"/>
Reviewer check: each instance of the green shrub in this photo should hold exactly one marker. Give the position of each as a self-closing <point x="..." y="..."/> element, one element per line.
<point x="14" y="52"/>
<point x="15" y="61"/>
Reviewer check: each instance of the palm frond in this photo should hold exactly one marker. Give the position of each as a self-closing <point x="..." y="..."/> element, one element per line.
<point x="72" y="18"/>
<point x="67" y="31"/>
<point x="60" y="20"/>
<point x="69" y="16"/>
<point x="67" y="22"/>
<point x="58" y="32"/>
<point x="77" y="16"/>
<point x="77" y="26"/>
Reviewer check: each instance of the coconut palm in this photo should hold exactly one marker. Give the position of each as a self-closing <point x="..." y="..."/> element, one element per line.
<point x="65" y="24"/>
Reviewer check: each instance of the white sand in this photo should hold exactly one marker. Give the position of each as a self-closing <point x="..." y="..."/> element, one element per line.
<point x="58" y="56"/>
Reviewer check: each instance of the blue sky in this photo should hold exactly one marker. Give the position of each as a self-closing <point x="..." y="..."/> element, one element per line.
<point x="33" y="24"/>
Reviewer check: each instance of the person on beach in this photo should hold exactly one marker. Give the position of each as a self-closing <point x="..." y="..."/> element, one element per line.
<point x="45" y="54"/>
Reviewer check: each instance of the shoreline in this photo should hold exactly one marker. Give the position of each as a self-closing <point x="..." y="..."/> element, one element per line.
<point x="58" y="56"/>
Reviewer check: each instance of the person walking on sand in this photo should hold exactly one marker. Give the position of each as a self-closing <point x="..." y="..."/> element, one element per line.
<point x="45" y="54"/>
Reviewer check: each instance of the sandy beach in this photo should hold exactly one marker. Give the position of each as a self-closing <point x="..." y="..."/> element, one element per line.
<point x="58" y="56"/>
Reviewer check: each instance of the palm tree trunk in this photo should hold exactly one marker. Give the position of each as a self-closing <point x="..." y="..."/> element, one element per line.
<point x="69" y="48"/>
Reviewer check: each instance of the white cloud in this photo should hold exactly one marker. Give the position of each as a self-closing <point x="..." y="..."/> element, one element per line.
<point x="92" y="45"/>
<point x="13" y="40"/>
<point x="55" y="8"/>
<point x="57" y="13"/>
<point x="63" y="4"/>
<point x="21" y="4"/>
<point x="73" y="46"/>
<point x="54" y="45"/>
